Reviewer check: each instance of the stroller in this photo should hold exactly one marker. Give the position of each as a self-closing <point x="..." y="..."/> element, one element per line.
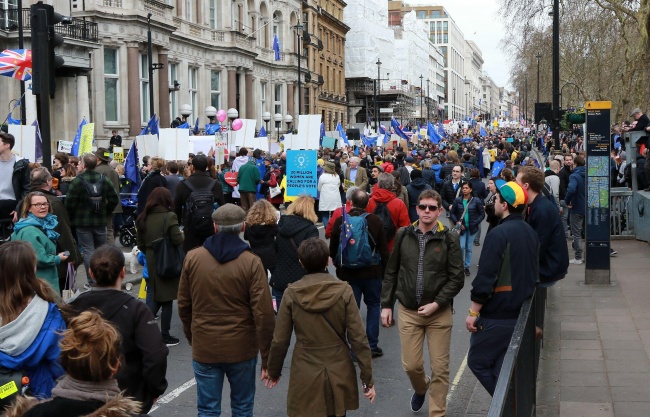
<point x="127" y="231"/>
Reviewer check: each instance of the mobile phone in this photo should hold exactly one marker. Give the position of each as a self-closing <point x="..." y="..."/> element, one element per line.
<point x="66" y="253"/>
<point x="365" y="388"/>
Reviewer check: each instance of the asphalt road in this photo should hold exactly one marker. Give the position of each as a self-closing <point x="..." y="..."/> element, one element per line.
<point x="393" y="387"/>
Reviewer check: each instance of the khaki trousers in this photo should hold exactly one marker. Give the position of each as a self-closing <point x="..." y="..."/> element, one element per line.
<point x="247" y="200"/>
<point x="437" y="329"/>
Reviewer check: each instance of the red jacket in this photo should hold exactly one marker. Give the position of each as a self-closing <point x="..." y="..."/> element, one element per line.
<point x="398" y="210"/>
<point x="388" y="167"/>
<point x="335" y="215"/>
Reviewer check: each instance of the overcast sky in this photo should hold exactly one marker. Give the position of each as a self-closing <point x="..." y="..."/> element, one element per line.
<point x="480" y="22"/>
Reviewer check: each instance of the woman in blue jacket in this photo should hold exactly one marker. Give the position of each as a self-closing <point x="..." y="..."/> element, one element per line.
<point x="30" y="321"/>
<point x="469" y="222"/>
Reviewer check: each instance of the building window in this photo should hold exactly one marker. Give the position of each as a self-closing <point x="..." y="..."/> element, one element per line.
<point x="262" y="97"/>
<point x="277" y="99"/>
<point x="192" y="75"/>
<point x="173" y="97"/>
<point x="9" y="19"/>
<point x="144" y="88"/>
<point x="445" y="26"/>
<point x="422" y="14"/>
<point x="111" y="84"/>
<point x="188" y="9"/>
<point x="213" y="14"/>
<point x="215" y="89"/>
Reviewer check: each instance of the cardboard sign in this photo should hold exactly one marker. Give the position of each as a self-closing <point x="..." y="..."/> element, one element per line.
<point x="245" y="137"/>
<point x="308" y="136"/>
<point x="147" y="145"/>
<point x="174" y="144"/>
<point x="329" y="142"/>
<point x="25" y="145"/>
<point x="301" y="173"/>
<point x="201" y="144"/>
<point x="64" y="146"/>
<point x="87" y="137"/>
<point x="118" y="154"/>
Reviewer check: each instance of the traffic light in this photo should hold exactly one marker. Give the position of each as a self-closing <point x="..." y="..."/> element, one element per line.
<point x="44" y="40"/>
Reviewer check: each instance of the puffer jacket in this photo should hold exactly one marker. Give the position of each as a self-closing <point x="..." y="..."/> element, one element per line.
<point x="575" y="194"/>
<point x="292" y="230"/>
<point x="476" y="211"/>
<point x="261" y="237"/>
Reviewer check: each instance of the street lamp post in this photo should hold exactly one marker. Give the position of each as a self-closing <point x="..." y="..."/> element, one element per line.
<point x="538" y="56"/>
<point x="421" y="116"/>
<point x="277" y="118"/>
<point x="428" y="111"/>
<point x="466" y="107"/>
<point x="377" y="91"/>
<point x="453" y="105"/>
<point x="288" y="119"/>
<point x="556" y="74"/>
<point x="266" y="116"/>
<point x="526" y="96"/>
<point x="298" y="28"/>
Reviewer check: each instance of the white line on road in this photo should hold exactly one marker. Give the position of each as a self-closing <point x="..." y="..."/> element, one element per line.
<point x="459" y="375"/>
<point x="173" y="395"/>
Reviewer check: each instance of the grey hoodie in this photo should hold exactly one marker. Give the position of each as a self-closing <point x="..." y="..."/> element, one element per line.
<point x="19" y="335"/>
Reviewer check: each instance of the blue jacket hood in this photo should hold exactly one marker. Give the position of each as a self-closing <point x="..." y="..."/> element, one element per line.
<point x="225" y="247"/>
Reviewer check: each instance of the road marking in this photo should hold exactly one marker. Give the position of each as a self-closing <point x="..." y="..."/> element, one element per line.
<point x="457" y="378"/>
<point x="173" y="395"/>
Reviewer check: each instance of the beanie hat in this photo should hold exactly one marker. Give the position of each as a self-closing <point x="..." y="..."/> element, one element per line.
<point x="512" y="192"/>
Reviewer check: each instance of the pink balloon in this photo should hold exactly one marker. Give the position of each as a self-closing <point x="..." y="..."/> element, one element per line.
<point x="237" y="124"/>
<point x="221" y="115"/>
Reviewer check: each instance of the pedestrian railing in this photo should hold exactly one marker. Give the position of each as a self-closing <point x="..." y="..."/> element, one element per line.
<point x="515" y="393"/>
<point x="622" y="225"/>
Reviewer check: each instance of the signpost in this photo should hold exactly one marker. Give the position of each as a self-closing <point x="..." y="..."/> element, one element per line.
<point x="597" y="231"/>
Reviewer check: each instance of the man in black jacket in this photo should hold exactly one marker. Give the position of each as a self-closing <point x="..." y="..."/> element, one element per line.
<point x="451" y="189"/>
<point x="506" y="277"/>
<point x="199" y="180"/>
<point x="142" y="370"/>
<point x="641" y="121"/>
<point x="564" y="175"/>
<point x="14" y="181"/>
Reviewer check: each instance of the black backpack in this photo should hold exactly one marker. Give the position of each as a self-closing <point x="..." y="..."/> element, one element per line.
<point x="199" y="207"/>
<point x="12" y="385"/>
<point x="381" y="210"/>
<point x="95" y="192"/>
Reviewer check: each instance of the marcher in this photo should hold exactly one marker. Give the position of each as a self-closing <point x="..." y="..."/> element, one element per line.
<point x="506" y="277"/>
<point x="14" y="182"/>
<point x="261" y="231"/>
<point x="153" y="180"/>
<point x="227" y="315"/>
<point x="328" y="186"/>
<point x="414" y="188"/>
<point x="248" y="177"/>
<point x="575" y="201"/>
<point x="104" y="168"/>
<point x="424" y="273"/>
<point x="467" y="213"/>
<point x="322" y="310"/>
<point x="384" y="200"/>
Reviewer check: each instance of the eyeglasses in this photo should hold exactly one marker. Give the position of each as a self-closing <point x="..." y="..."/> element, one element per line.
<point x="424" y="207"/>
<point x="41" y="205"/>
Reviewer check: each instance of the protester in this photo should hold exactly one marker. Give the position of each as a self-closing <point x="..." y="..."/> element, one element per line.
<point x="490" y="215"/>
<point x="68" y="174"/>
<point x="575" y="200"/>
<point x="414" y="188"/>
<point x="153" y="180"/>
<point x="14" y="179"/>
<point x="358" y="175"/>
<point x="391" y="210"/>
<point x="467" y="213"/>
<point x="451" y="189"/>
<point x="261" y="231"/>
<point x="103" y="168"/>
<point x="328" y="186"/>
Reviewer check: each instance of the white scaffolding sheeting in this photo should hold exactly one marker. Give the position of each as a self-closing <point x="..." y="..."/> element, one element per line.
<point x="412" y="49"/>
<point x="369" y="38"/>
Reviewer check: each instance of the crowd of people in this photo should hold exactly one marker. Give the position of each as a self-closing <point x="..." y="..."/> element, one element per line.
<point x="400" y="226"/>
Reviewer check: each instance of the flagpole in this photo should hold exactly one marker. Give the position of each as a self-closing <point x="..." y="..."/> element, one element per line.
<point x="21" y="45"/>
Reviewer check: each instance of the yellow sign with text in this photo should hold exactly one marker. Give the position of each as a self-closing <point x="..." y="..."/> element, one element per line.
<point x="86" y="140"/>
<point x="598" y="105"/>
<point x="118" y="154"/>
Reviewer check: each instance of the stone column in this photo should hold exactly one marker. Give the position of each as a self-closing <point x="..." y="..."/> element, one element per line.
<point x="163" y="89"/>
<point x="232" y="87"/>
<point x="290" y="98"/>
<point x="249" y="96"/>
<point x="133" y="80"/>
<point x="30" y="103"/>
<point x="83" y="102"/>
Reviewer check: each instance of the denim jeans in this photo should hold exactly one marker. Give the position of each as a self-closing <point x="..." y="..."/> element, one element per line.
<point x="577" y="221"/>
<point x="487" y="348"/>
<point x="278" y="297"/>
<point x="564" y="216"/>
<point x="467" y="246"/>
<point x="209" y="387"/>
<point x="370" y="288"/>
<point x="325" y="215"/>
<point x="90" y="238"/>
<point x="477" y="235"/>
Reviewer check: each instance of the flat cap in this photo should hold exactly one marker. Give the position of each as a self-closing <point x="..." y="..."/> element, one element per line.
<point x="229" y="215"/>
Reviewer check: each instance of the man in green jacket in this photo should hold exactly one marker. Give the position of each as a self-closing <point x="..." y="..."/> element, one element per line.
<point x="424" y="273"/>
<point x="248" y="178"/>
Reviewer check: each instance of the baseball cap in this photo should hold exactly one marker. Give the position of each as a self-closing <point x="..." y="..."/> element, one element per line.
<point x="635" y="111"/>
<point x="512" y="192"/>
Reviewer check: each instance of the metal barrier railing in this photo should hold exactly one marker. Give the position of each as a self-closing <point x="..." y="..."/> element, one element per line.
<point x="515" y="393"/>
<point x="622" y="224"/>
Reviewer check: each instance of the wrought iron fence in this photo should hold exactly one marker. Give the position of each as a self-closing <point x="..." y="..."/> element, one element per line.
<point x="79" y="29"/>
<point x="622" y="224"/>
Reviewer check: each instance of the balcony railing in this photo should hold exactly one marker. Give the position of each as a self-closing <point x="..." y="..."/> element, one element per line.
<point x="79" y="29"/>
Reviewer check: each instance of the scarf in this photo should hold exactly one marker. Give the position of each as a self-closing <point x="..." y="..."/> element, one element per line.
<point x="46" y="224"/>
<point x="74" y="389"/>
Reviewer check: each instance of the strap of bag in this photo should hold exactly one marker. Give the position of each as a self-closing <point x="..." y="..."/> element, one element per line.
<point x="345" y="342"/>
<point x="165" y="226"/>
<point x="70" y="277"/>
<point x="465" y="211"/>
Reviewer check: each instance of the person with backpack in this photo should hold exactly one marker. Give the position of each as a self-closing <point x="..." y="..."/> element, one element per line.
<point x="391" y="210"/>
<point x="360" y="253"/>
<point x="90" y="200"/>
<point x="424" y="273"/>
<point x="195" y="200"/>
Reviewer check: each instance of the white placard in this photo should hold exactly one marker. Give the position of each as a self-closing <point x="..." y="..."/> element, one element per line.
<point x="308" y="136"/>
<point x="25" y="145"/>
<point x="174" y="144"/>
<point x="274" y="147"/>
<point x="147" y="145"/>
<point x="201" y="144"/>
<point x="65" y="146"/>
<point x="245" y="136"/>
<point x="288" y="141"/>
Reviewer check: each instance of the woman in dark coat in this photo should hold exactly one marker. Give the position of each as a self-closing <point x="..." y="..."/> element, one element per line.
<point x="479" y="190"/>
<point x="294" y="227"/>
<point x="261" y="230"/>
<point x="152" y="181"/>
<point x="469" y="222"/>
<point x="157" y="218"/>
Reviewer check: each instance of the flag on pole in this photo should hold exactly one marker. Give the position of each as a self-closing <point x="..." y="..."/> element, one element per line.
<point x="398" y="129"/>
<point x="16" y="63"/>
<point x="441" y="130"/>
<point x="39" y="140"/>
<point x="131" y="171"/>
<point x="339" y="129"/>
<point x="346" y="233"/>
<point x="196" y="127"/>
<point x="152" y="127"/>
<point x="322" y="130"/>
<point x="434" y="137"/>
<point x="77" y="138"/>
<point x="276" y="47"/>
<point x="483" y="133"/>
<point x="262" y="133"/>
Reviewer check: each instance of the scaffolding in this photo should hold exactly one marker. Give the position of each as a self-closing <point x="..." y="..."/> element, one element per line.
<point x="395" y="99"/>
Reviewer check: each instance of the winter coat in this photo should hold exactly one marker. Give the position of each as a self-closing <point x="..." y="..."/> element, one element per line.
<point x="77" y="201"/>
<point x="414" y="189"/>
<point x="323" y="378"/>
<point x="564" y="174"/>
<point x="398" y="210"/>
<point x="261" y="238"/>
<point x="429" y="176"/>
<point x="330" y="197"/>
<point x="479" y="189"/>
<point x="445" y="171"/>
<point x="436" y="168"/>
<point x="388" y="167"/>
<point x="475" y="209"/>
<point x="224" y="300"/>
<point x="248" y="177"/>
<point x="335" y="215"/>
<point x="443" y="269"/>
<point x="361" y="180"/>
<point x="143" y="359"/>
<point x="492" y="218"/>
<point x="116" y="407"/>
<point x="64" y="185"/>
<point x="575" y="194"/>
<point x="20" y="178"/>
<point x="292" y="230"/>
<point x="274" y="180"/>
<point x="153" y="180"/>
<point x="40" y="322"/>
<point x="46" y="255"/>
<point x="448" y="193"/>
<point x="553" y="181"/>
<point x="163" y="289"/>
<point x="172" y="183"/>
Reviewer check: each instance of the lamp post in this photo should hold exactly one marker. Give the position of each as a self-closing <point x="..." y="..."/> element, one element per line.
<point x="277" y="118"/>
<point x="562" y="91"/>
<point x="453" y="104"/>
<point x="232" y="114"/>
<point x="185" y="111"/>
<point x="428" y="111"/>
<point x="466" y="107"/>
<point x="556" y="73"/>
<point x="421" y="116"/>
<point x="288" y="119"/>
<point x="526" y="94"/>
<point x="210" y="113"/>
<point x="266" y="116"/>
<point x="538" y="56"/>
<point x="377" y="90"/>
<point x="152" y="66"/>
<point x="299" y="27"/>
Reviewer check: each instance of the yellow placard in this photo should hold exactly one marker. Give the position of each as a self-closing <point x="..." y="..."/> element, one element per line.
<point x="118" y="154"/>
<point x="347" y="184"/>
<point x="598" y="105"/>
<point x="142" y="294"/>
<point x="86" y="140"/>
<point x="8" y="389"/>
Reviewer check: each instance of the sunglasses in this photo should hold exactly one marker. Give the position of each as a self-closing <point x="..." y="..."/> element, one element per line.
<point x="424" y="207"/>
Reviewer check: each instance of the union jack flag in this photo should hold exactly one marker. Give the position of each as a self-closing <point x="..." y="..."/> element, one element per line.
<point x="16" y="63"/>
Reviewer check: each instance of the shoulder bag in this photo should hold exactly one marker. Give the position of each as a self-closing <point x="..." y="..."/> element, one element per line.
<point x="458" y="227"/>
<point x="169" y="258"/>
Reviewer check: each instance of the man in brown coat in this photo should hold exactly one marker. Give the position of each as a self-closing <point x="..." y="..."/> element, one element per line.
<point x="225" y="306"/>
